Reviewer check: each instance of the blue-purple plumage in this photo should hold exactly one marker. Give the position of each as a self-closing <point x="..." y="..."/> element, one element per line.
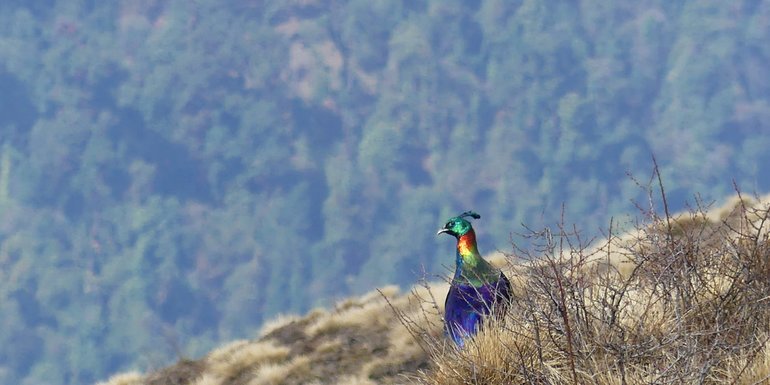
<point x="467" y="305"/>
<point x="478" y="289"/>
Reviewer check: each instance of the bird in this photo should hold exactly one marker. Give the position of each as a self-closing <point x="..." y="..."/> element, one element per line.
<point x="477" y="289"/>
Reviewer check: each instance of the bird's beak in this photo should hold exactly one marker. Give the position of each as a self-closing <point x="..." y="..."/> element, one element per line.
<point x="442" y="231"/>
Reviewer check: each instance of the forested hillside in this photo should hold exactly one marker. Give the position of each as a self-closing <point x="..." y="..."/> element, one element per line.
<point x="172" y="173"/>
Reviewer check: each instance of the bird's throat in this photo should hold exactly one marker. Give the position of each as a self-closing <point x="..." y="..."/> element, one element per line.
<point x="466" y="245"/>
<point x="471" y="268"/>
<point x="467" y="252"/>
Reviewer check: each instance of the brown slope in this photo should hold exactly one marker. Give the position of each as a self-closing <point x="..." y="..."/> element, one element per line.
<point x="360" y="341"/>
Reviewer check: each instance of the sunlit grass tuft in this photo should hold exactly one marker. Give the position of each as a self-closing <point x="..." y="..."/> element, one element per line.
<point x="275" y="374"/>
<point x="276" y="323"/>
<point x="130" y="378"/>
<point x="233" y="360"/>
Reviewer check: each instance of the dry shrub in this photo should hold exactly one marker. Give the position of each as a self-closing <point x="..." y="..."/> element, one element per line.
<point x="680" y="299"/>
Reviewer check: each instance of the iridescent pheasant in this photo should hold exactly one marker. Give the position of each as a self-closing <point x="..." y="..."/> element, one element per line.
<point x="477" y="289"/>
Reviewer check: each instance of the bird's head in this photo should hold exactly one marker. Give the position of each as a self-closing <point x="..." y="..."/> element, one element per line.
<point x="459" y="226"/>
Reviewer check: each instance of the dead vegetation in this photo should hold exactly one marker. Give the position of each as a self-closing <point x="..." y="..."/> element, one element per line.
<point x="682" y="299"/>
<point x="678" y="299"/>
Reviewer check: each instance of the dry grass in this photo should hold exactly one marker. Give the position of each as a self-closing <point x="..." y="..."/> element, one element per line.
<point x="681" y="299"/>
<point x="239" y="359"/>
<point x="130" y="378"/>
<point x="281" y="321"/>
<point x="274" y="374"/>
<point x="359" y="341"/>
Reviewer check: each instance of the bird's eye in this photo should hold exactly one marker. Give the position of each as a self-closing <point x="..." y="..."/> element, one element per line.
<point x="448" y="225"/>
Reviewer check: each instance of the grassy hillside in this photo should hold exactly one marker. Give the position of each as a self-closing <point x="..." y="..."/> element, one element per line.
<point x="679" y="299"/>
<point x="360" y="341"/>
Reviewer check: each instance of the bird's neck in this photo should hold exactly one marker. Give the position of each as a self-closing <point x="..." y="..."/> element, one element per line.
<point x="471" y="268"/>
<point x="466" y="245"/>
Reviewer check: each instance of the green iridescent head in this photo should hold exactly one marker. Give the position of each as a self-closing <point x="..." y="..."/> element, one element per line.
<point x="458" y="225"/>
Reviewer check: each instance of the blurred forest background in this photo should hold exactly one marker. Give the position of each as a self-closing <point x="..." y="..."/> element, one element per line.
<point x="173" y="173"/>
